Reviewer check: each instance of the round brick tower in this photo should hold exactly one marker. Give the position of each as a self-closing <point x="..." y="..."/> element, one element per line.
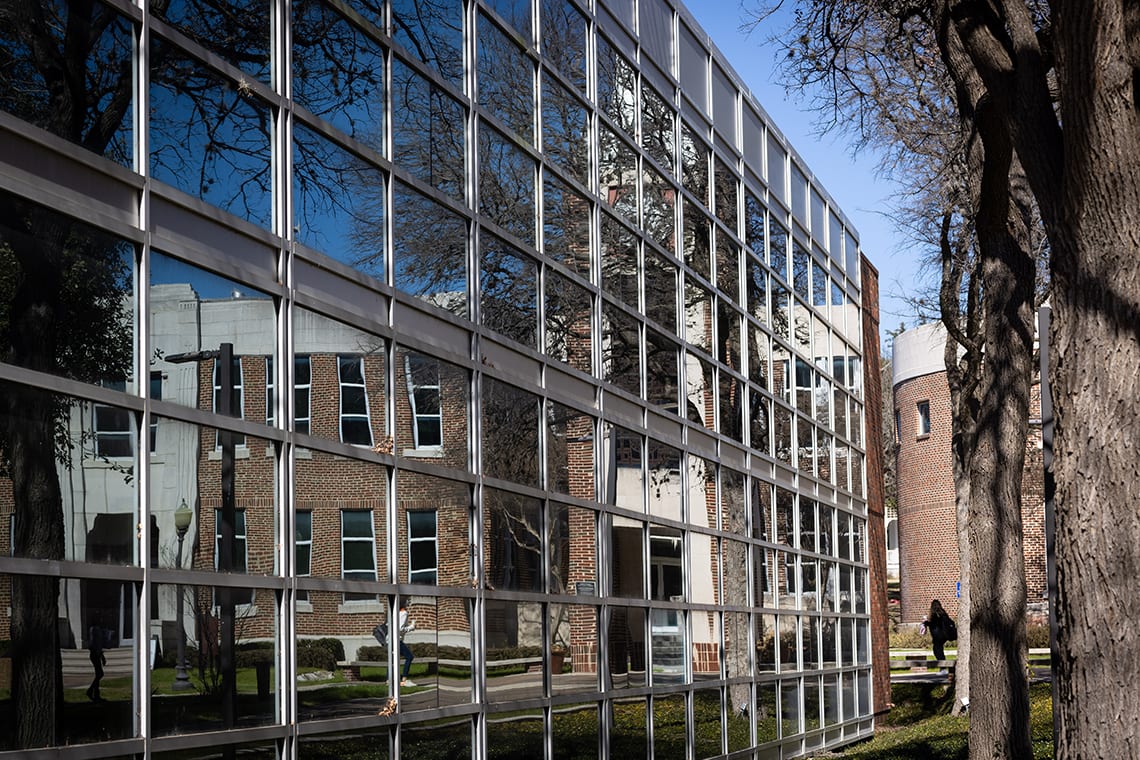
<point x="928" y="548"/>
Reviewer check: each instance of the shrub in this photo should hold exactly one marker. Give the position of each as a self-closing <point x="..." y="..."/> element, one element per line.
<point x="1038" y="636"/>
<point x="374" y="653"/>
<point x="251" y="654"/>
<point x="334" y="645"/>
<point x="316" y="653"/>
<point x="908" y="637"/>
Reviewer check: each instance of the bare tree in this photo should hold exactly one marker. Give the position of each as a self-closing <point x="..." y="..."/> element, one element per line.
<point x="884" y="68"/>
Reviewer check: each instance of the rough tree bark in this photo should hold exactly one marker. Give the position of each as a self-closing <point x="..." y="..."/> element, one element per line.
<point x="1083" y="164"/>
<point x="1096" y="352"/>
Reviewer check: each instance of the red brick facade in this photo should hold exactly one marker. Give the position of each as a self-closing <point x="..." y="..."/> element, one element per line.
<point x="876" y="525"/>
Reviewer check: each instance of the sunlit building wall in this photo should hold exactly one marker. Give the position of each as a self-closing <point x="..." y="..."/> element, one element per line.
<point x="540" y="331"/>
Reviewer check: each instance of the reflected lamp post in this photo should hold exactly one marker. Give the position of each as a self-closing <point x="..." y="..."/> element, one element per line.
<point x="183" y="516"/>
<point x="224" y="356"/>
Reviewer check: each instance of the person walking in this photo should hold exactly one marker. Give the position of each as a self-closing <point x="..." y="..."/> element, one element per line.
<point x="96" y="638"/>
<point x="941" y="628"/>
<point x="405" y="626"/>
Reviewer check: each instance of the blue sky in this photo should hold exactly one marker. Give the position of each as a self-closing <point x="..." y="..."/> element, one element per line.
<point x="852" y="182"/>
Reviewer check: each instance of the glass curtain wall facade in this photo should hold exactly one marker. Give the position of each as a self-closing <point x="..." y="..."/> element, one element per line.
<point x="438" y="379"/>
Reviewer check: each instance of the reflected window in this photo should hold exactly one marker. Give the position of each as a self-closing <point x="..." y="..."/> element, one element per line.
<point x="240" y="552"/>
<point x="355" y="427"/>
<point x="666" y="572"/>
<point x="422" y="547"/>
<point x="156" y="394"/>
<point x="303" y="549"/>
<point x="113" y="426"/>
<point x="302" y="392"/>
<point x="358" y="550"/>
<point x="514" y="549"/>
<point x="424" y="399"/>
<point x="236" y="398"/>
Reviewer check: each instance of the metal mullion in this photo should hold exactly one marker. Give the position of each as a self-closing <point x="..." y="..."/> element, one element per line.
<point x="142" y="300"/>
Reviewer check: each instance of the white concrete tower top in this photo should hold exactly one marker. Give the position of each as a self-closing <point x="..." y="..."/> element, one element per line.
<point x="918" y="352"/>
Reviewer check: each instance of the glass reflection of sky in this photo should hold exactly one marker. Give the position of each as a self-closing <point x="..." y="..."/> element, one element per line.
<point x="166" y="270"/>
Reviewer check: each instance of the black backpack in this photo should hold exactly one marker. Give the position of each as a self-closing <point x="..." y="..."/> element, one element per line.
<point x="380" y="632"/>
<point x="951" y="629"/>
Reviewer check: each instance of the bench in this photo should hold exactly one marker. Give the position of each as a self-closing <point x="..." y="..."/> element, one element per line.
<point x="1034" y="659"/>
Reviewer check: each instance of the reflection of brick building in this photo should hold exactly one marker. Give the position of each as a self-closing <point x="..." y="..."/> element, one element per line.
<point x="927" y="540"/>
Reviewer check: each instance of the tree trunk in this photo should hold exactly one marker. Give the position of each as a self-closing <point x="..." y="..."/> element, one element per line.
<point x="999" y="710"/>
<point x="1095" y="356"/>
<point x="28" y="428"/>
<point x="37" y="685"/>
<point x="962" y="666"/>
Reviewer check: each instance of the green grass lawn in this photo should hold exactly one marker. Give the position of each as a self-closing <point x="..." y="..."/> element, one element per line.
<point x="920" y="725"/>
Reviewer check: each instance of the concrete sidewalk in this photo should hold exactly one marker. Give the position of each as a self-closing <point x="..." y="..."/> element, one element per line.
<point x="1038" y="665"/>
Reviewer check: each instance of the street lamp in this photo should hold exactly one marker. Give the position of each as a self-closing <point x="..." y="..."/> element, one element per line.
<point x="224" y="356"/>
<point x="183" y="516"/>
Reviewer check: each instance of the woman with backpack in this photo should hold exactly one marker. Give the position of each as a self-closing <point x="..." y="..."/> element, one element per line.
<point x="941" y="627"/>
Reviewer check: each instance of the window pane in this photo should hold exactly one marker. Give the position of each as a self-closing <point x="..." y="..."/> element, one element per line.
<point x="564" y="40"/>
<point x="506" y="80"/>
<point x="428" y="131"/>
<point x="421" y="524"/>
<point x="357" y="524"/>
<point x="565" y="128"/>
<point x="338" y="72"/>
<point x="506" y="185"/>
<point x="430" y="251"/>
<point x="95" y="112"/>
<point x="510" y="433"/>
<point x="508" y="288"/>
<point x="432" y="31"/>
<point x="223" y="155"/>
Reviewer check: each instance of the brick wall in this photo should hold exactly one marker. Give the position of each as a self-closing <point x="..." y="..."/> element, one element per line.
<point x="876" y="525"/>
